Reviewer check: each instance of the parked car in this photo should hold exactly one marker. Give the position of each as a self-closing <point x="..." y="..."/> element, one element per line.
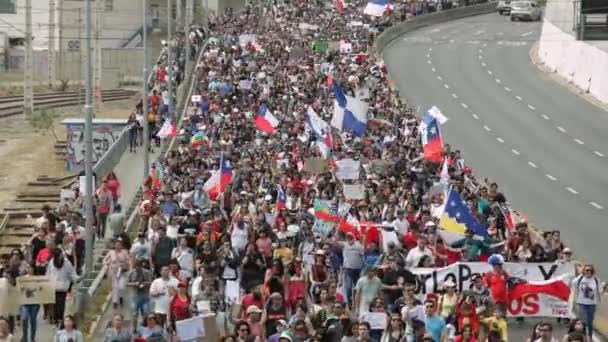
<point x="504" y="7"/>
<point x="525" y="10"/>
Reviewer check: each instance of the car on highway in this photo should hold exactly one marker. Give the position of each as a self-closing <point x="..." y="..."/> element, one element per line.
<point x="504" y="7"/>
<point x="525" y="10"/>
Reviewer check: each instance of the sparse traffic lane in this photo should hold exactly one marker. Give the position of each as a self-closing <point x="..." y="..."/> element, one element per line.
<point x="513" y="124"/>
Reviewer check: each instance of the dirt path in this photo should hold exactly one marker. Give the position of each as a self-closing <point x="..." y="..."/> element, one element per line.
<point x="25" y="154"/>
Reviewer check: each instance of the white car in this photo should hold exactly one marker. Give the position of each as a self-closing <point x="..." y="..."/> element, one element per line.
<point x="525" y="10"/>
<point x="504" y="7"/>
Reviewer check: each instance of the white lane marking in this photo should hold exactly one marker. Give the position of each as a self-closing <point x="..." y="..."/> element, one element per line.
<point x="452" y="41"/>
<point x="454" y="96"/>
<point x="500" y="33"/>
<point x="561" y="129"/>
<point x="439" y="78"/>
<point x="500" y="140"/>
<point x="480" y="32"/>
<point x="531" y="107"/>
<point x="475" y="116"/>
<point x="532" y="164"/>
<point x="550" y="177"/>
<point x="527" y="34"/>
<point x="572" y="191"/>
<point x="429" y="62"/>
<point x="483" y="64"/>
<point x="428" y="56"/>
<point x="507" y="89"/>
<point x="599" y="154"/>
<point x="480" y="51"/>
<point x="430" y="49"/>
<point x="597" y="206"/>
<point x="446" y="86"/>
<point x="490" y="72"/>
<point x="515" y="152"/>
<point x="498" y="80"/>
<point x="579" y="141"/>
<point x="545" y="117"/>
<point x="435" y="30"/>
<point x="433" y="69"/>
<point x="480" y="57"/>
<point x="519" y="97"/>
<point x="464" y="105"/>
<point x="487" y="128"/>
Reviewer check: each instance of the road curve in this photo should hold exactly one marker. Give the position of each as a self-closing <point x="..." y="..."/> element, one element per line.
<point x="545" y="146"/>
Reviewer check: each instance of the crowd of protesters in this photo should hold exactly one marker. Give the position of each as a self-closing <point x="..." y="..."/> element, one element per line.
<point x="297" y="277"/>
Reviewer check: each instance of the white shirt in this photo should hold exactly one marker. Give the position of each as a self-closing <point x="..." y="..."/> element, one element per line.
<point x="159" y="285"/>
<point x="239" y="237"/>
<point x="402" y="226"/>
<point x="588" y="292"/>
<point x="415" y="255"/>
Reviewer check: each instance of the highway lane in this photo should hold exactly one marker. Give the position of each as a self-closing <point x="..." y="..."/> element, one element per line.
<point x="515" y="126"/>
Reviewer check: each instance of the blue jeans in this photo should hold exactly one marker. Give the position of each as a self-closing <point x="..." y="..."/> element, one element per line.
<point x="141" y="305"/>
<point x="587" y="315"/>
<point x="29" y="315"/>
<point x="351" y="276"/>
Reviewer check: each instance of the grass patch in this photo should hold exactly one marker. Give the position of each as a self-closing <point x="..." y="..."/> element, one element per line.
<point x="95" y="307"/>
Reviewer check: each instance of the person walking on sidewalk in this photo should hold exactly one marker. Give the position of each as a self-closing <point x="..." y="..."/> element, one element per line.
<point x="61" y="272"/>
<point x="587" y="297"/>
<point x="118" y="266"/>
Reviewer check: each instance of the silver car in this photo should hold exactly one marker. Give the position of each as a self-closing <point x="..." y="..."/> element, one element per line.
<point x="525" y="10"/>
<point x="504" y="7"/>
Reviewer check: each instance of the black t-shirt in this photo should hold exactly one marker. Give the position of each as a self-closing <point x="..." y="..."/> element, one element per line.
<point x="391" y="277"/>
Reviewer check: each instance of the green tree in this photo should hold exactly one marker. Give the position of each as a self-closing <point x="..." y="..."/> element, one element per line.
<point x="44" y="121"/>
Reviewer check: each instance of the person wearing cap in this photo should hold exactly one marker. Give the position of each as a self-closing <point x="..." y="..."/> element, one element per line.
<point x="353" y="256"/>
<point x="448" y="300"/>
<point x="496" y="280"/>
<point x="415" y="255"/>
<point x="281" y="326"/>
<point x="179" y="304"/>
<point x="254" y="319"/>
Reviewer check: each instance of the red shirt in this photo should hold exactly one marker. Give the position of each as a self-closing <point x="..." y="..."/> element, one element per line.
<point x="114" y="186"/>
<point x="247" y="301"/>
<point x="497" y="283"/>
<point x="409" y="240"/>
<point x="180" y="308"/>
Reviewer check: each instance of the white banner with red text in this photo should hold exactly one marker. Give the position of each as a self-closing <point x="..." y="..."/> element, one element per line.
<point x="547" y="295"/>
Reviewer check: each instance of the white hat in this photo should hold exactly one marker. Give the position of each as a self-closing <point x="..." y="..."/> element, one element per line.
<point x="449" y="283"/>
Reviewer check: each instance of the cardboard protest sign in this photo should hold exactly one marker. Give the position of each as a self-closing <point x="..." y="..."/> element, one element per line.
<point x="212" y="333"/>
<point x="353" y="191"/>
<point x="196" y="98"/>
<point x="320" y="46"/>
<point x="348" y="169"/>
<point x="8" y="302"/>
<point x="190" y="329"/>
<point x="35" y="290"/>
<point x="316" y="165"/>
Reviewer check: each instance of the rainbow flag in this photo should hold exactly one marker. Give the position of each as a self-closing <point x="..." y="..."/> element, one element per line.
<point x="324" y="212"/>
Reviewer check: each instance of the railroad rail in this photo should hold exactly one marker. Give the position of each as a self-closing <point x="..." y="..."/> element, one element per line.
<point x="13" y="105"/>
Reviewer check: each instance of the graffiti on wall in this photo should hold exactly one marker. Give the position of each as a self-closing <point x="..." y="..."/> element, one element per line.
<point x="103" y="137"/>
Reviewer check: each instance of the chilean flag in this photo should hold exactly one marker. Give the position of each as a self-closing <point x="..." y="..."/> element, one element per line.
<point x="220" y="178"/>
<point x="281" y="198"/>
<point x="340" y="5"/>
<point x="265" y="121"/>
<point x="431" y="139"/>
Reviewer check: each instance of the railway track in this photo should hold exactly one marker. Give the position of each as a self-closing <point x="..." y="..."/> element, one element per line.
<point x="13" y="105"/>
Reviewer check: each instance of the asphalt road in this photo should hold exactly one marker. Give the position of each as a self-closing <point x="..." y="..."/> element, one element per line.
<point x="545" y="146"/>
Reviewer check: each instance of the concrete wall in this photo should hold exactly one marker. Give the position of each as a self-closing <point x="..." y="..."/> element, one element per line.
<point x="579" y="62"/>
<point x="14" y="24"/>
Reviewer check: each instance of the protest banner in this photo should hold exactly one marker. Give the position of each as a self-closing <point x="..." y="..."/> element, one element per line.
<point x="35" y="290"/>
<point x="8" y="303"/>
<point x="347" y="169"/>
<point x="315" y="165"/>
<point x="190" y="329"/>
<point x="353" y="191"/>
<point x="430" y="280"/>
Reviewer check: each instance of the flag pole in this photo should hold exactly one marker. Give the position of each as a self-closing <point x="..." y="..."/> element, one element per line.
<point x="219" y="184"/>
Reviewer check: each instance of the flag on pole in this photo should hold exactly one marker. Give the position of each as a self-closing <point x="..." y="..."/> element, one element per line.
<point x="281" y="198"/>
<point x="431" y="139"/>
<point x="350" y="113"/>
<point x="377" y="8"/>
<point x="220" y="178"/>
<point x="457" y="217"/>
<point x="167" y="130"/>
<point x="324" y="212"/>
<point x="265" y="121"/>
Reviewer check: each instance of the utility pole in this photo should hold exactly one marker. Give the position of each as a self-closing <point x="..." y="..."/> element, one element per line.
<point x="88" y="156"/>
<point x="51" y="49"/>
<point x="188" y="22"/>
<point x="144" y="95"/>
<point x="28" y="78"/>
<point x="97" y="68"/>
<point x="179" y="13"/>
<point x="170" y="53"/>
<point x="60" y="34"/>
<point x="80" y="64"/>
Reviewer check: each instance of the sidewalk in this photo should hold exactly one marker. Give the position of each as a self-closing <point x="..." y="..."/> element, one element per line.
<point x="130" y="173"/>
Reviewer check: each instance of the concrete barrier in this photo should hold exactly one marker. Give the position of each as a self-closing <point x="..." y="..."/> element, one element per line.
<point x="580" y="63"/>
<point x="397" y="30"/>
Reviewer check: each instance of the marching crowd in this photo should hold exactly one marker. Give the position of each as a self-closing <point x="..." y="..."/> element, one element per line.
<point x="248" y="219"/>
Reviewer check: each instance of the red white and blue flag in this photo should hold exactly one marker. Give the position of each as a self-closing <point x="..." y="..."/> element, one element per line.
<point x="431" y="139"/>
<point x="377" y="8"/>
<point x="322" y="132"/>
<point x="265" y="121"/>
<point x="281" y="198"/>
<point x="220" y="178"/>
